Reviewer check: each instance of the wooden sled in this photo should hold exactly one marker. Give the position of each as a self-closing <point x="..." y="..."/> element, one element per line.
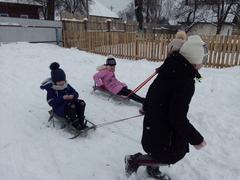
<point x="109" y="95"/>
<point x="66" y="124"/>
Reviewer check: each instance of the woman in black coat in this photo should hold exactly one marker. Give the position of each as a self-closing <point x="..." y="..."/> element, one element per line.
<point x="166" y="128"/>
<point x="167" y="131"/>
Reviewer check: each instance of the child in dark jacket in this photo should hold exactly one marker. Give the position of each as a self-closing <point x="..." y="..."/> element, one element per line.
<point x="63" y="98"/>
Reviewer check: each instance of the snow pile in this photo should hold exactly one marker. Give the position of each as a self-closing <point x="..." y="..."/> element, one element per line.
<point x="30" y="150"/>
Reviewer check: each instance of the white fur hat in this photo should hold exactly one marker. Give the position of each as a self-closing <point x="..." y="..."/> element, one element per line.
<point x="194" y="50"/>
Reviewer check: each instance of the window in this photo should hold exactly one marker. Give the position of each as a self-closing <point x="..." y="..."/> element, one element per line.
<point x="4" y="15"/>
<point x="24" y="16"/>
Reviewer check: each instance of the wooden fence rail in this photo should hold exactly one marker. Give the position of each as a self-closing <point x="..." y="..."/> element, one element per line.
<point x="224" y="51"/>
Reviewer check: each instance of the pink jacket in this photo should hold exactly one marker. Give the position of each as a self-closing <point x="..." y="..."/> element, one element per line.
<point x="107" y="80"/>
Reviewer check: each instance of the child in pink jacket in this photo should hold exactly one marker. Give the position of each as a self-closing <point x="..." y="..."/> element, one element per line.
<point x="105" y="78"/>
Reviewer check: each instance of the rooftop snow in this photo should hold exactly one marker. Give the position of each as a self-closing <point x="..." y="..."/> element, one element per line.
<point x="97" y="9"/>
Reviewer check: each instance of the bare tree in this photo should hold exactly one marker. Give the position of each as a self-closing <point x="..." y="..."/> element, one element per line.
<point x="50" y="9"/>
<point x="73" y="6"/>
<point x="158" y="11"/>
<point x="128" y="13"/>
<point x="236" y="13"/>
<point x="43" y="3"/>
<point x="222" y="9"/>
<point x="186" y="12"/>
<point x="213" y="11"/>
<point x="139" y="13"/>
<point x="191" y="12"/>
<point x="151" y="9"/>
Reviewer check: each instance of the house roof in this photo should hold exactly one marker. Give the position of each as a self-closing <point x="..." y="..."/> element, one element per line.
<point x="21" y="2"/>
<point x="116" y="5"/>
<point x="97" y="9"/>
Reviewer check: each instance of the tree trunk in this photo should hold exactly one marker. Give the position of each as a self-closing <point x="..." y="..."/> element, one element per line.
<point x="147" y="15"/>
<point x="219" y="28"/>
<point x="50" y="9"/>
<point x="87" y="8"/>
<point x="139" y="14"/>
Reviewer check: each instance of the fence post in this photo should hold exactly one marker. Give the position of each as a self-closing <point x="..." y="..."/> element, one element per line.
<point x="64" y="34"/>
<point x="86" y="37"/>
<point x="136" y="48"/>
<point x="85" y="21"/>
<point x="125" y="26"/>
<point x="108" y="21"/>
<point x="57" y="36"/>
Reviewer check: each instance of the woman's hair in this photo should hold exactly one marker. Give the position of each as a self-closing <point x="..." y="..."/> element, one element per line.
<point x="181" y="35"/>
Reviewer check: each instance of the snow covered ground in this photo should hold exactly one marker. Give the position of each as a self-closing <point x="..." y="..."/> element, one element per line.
<point x="31" y="150"/>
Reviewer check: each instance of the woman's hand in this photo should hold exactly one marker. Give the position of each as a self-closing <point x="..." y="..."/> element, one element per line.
<point x="200" y="146"/>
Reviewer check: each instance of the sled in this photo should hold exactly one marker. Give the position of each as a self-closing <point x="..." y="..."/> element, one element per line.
<point x="108" y="94"/>
<point x="119" y="99"/>
<point x="66" y="124"/>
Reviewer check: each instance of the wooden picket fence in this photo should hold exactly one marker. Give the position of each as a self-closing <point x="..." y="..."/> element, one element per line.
<point x="224" y="51"/>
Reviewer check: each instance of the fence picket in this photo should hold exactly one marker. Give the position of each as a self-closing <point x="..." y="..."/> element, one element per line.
<point x="224" y="51"/>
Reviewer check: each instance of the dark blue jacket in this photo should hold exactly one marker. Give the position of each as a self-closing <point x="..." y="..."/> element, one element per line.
<point x="55" y="97"/>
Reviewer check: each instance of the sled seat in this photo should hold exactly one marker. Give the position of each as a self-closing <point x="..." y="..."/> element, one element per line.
<point x="108" y="93"/>
<point x="65" y="123"/>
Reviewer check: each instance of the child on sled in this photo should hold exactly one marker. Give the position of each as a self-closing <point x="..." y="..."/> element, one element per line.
<point x="105" y="78"/>
<point x="63" y="98"/>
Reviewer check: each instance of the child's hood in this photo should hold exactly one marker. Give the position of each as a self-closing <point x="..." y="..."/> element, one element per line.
<point x="46" y="84"/>
<point x="102" y="67"/>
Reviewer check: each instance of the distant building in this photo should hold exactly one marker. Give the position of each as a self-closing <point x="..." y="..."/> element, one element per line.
<point x="18" y="10"/>
<point x="205" y="19"/>
<point x="206" y="28"/>
<point x="97" y="12"/>
<point x="236" y="30"/>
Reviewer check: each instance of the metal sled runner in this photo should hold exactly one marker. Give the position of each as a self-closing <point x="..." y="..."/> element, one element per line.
<point x="109" y="95"/>
<point x="66" y="124"/>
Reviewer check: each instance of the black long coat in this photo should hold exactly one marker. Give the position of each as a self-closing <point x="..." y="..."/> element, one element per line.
<point x="167" y="131"/>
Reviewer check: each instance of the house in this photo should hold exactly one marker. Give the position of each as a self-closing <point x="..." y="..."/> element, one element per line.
<point x="207" y="28"/>
<point x="236" y="30"/>
<point x="97" y="12"/>
<point x="19" y="10"/>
